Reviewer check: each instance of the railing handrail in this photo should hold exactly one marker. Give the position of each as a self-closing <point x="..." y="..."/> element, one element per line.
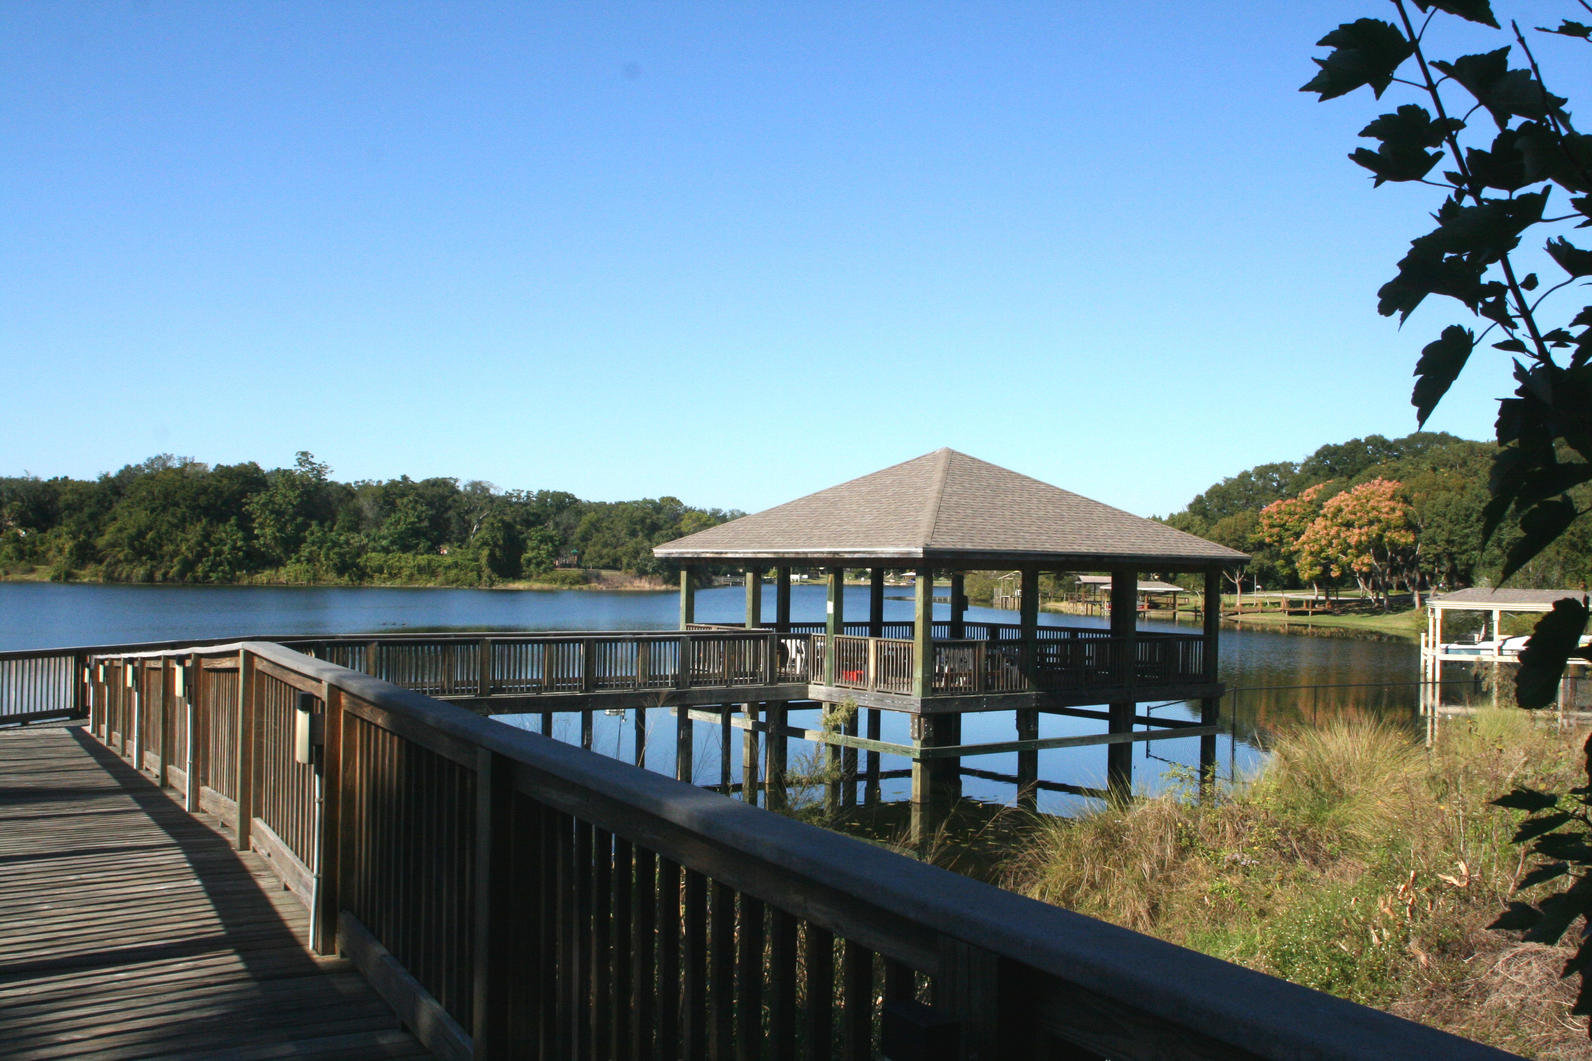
<point x="896" y="905"/>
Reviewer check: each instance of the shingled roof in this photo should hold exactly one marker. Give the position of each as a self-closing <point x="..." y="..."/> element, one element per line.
<point x="950" y="510"/>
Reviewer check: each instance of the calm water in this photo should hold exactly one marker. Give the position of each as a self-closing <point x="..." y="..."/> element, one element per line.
<point x="1273" y="678"/>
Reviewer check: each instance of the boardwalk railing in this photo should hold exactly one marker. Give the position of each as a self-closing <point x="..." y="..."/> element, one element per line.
<point x="1063" y="659"/>
<point x="514" y="896"/>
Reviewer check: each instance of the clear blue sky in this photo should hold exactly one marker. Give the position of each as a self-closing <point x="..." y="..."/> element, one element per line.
<point x="729" y="252"/>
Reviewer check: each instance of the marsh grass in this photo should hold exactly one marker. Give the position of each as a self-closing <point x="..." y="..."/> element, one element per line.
<point x="1357" y="863"/>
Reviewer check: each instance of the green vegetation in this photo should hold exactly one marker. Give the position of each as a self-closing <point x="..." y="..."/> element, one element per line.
<point x="174" y="519"/>
<point x="1357" y="863"/>
<point x="1378" y="514"/>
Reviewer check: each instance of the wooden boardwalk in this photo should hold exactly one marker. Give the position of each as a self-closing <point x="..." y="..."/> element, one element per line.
<point x="129" y="928"/>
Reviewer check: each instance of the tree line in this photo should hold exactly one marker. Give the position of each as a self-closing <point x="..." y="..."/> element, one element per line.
<point x="1381" y="514"/>
<point x="175" y="519"/>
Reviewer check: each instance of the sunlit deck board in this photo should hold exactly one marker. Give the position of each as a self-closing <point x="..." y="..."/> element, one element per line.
<point x="130" y="929"/>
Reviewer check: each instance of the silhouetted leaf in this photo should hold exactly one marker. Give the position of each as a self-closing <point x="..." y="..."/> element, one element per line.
<point x="1440" y="364"/>
<point x="1570" y="29"/>
<point x="1364" y="52"/>
<point x="1504" y="92"/>
<point x="1503" y="166"/>
<point x="1512" y="346"/>
<point x="1473" y="10"/>
<point x="1543" y="659"/>
<point x="1571" y="259"/>
<point x="1426" y="270"/>
<point x="1527" y="799"/>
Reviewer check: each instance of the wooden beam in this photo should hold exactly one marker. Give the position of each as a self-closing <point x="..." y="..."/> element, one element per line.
<point x="687" y="598"/>
<point x="782" y="597"/>
<point x="876" y="602"/>
<point x="754" y="598"/>
<point x="922" y="633"/>
<point x="834" y="618"/>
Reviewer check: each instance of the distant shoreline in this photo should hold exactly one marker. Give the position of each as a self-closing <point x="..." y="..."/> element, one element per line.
<point x="611" y="581"/>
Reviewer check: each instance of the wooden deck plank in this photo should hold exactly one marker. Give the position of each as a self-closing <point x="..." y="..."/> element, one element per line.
<point x="129" y="928"/>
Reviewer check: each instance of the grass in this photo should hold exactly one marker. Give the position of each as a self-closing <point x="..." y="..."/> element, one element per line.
<point x="1357" y="863"/>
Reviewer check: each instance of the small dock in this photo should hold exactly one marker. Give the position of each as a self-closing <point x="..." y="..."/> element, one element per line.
<point x="129" y="928"/>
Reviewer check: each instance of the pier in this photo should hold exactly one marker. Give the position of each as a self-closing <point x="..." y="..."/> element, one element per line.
<point x="507" y="895"/>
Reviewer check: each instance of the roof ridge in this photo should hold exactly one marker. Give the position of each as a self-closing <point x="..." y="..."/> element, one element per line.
<point x="931" y="511"/>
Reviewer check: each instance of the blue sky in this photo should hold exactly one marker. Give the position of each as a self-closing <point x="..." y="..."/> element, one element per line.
<point x="729" y="252"/>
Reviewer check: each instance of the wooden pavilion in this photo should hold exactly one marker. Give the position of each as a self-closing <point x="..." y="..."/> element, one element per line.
<point x="943" y="514"/>
<point x="1489" y="644"/>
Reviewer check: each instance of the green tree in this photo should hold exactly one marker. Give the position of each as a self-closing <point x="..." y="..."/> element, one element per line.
<point x="1514" y="165"/>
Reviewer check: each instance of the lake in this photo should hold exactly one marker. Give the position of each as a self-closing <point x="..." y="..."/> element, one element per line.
<point x="1273" y="679"/>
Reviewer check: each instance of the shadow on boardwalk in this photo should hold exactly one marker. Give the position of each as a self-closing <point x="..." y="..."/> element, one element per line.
<point x="130" y="929"/>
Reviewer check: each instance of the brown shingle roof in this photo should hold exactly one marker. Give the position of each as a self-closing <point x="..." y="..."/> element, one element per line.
<point x="1505" y="599"/>
<point x="946" y="506"/>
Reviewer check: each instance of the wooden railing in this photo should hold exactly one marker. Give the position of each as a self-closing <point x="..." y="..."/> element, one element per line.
<point x="514" y="896"/>
<point x="482" y="665"/>
<point x="1064" y="659"/>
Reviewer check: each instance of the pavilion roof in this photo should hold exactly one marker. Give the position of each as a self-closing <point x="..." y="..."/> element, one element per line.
<point x="1523" y="600"/>
<point x="951" y="510"/>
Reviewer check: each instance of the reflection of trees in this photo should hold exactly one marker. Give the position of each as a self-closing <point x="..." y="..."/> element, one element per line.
<point x="1260" y="710"/>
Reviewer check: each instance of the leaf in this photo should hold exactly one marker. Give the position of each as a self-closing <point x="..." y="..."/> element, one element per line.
<point x="1504" y="92"/>
<point x="1426" y="270"/>
<point x="1543" y="659"/>
<point x="1527" y="799"/>
<point x="1406" y="137"/>
<point x="1472" y="10"/>
<point x="1571" y="259"/>
<point x="1502" y="167"/>
<point x="1512" y="346"/>
<point x="1440" y="364"/>
<point x="1569" y="29"/>
<point x="1364" y="52"/>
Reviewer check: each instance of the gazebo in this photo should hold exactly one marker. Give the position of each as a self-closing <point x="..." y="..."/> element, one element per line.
<point x="943" y="514"/>
<point x="1489" y="644"/>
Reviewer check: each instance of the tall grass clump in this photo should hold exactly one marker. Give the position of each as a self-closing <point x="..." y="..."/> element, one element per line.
<point x="1357" y="862"/>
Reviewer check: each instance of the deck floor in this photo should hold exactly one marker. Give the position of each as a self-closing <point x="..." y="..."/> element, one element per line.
<point x="129" y="928"/>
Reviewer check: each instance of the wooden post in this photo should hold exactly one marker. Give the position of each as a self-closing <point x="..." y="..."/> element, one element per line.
<point x="754" y="598"/>
<point x="1210" y="707"/>
<point x="683" y="748"/>
<point x="243" y="787"/>
<point x="876" y="602"/>
<point x="749" y="755"/>
<point x="198" y="737"/>
<point x="495" y="902"/>
<point x="1124" y="623"/>
<point x="958" y="605"/>
<point x="782" y="597"/>
<point x="774" y="794"/>
<point x="135" y="685"/>
<point x="164" y="734"/>
<point x="1028" y="761"/>
<point x="483" y="681"/>
<point x="870" y="788"/>
<point x="640" y="735"/>
<point x="923" y="633"/>
<point x="687" y="598"/>
<point x="834" y="620"/>
<point x="328" y="871"/>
